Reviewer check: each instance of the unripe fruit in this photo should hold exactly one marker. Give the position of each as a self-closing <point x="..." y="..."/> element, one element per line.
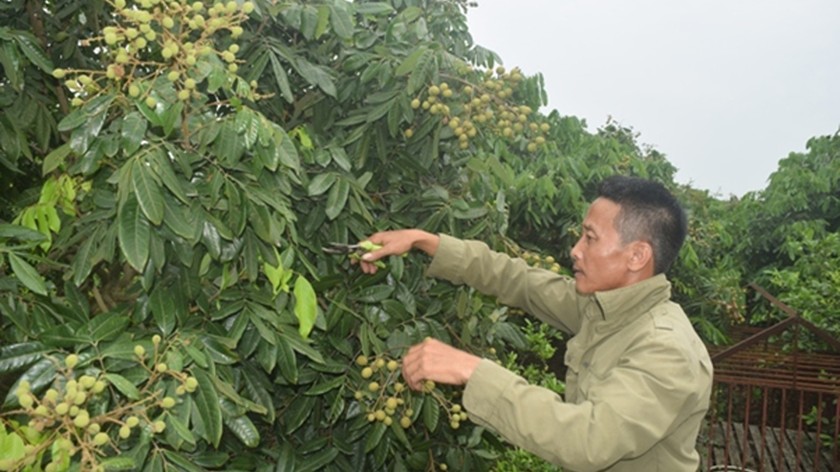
<point x="545" y="127"/>
<point x="74" y="410"/>
<point x="180" y="390"/>
<point x="233" y="68"/>
<point x="87" y="381"/>
<point x="42" y="410"/>
<point x="167" y="22"/>
<point x="158" y="426"/>
<point x="408" y="133"/>
<point x="100" y="439"/>
<point x="71" y="361"/>
<point x="367" y="372"/>
<point x="380" y="363"/>
<point x="391" y="403"/>
<point x="405" y="422"/>
<point x="133" y="90"/>
<point x="247" y="8"/>
<point x="393" y="365"/>
<point x="361" y="360"/>
<point x="99" y="385"/>
<point x="380" y="415"/>
<point x="167" y="402"/>
<point x="236" y="31"/>
<point x="82" y="419"/>
<point x="132" y="421"/>
<point x="62" y="408"/>
<point x="189" y="83"/>
<point x="373" y="386"/>
<point x="388" y="421"/>
<point x="191" y="384"/>
<point x="414" y="103"/>
<point x="162" y="367"/>
<point x="399" y="387"/>
<point x="428" y="386"/>
<point x="456" y="408"/>
<point x="25" y="400"/>
<point x="94" y="428"/>
<point x="119" y="4"/>
<point x="125" y="432"/>
<point x="156" y="339"/>
<point x="51" y="395"/>
<point x="434" y="90"/>
<point x="454" y="424"/>
<point x="80" y="398"/>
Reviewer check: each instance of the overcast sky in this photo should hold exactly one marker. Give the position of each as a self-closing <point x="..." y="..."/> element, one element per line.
<point x="724" y="88"/>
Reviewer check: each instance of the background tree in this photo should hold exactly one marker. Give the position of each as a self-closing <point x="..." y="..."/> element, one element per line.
<point x="171" y="174"/>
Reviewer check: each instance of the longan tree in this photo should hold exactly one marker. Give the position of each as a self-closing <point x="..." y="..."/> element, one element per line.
<point x="178" y="168"/>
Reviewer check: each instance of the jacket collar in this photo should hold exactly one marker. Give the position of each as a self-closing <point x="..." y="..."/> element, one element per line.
<point x="628" y="303"/>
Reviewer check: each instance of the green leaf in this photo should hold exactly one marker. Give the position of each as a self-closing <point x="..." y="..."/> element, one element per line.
<point x="29" y="45"/>
<point x="118" y="463"/>
<point x="342" y="22"/>
<point x="123" y="385"/>
<point x="27" y="274"/>
<point x="207" y="404"/>
<point x="306" y="308"/>
<point x="287" y="360"/>
<point x="134" y="234"/>
<point x="133" y="132"/>
<point x="18" y="356"/>
<point x="180" y="461"/>
<point x="323" y="21"/>
<point x="410" y="62"/>
<point x="317" y="462"/>
<point x="298" y="412"/>
<point x="180" y="428"/>
<point x="147" y="191"/>
<point x="374" y="436"/>
<point x="106" y="326"/>
<point x="282" y="78"/>
<point x="243" y="428"/>
<point x="21" y="232"/>
<point x="317" y="75"/>
<point x="431" y="413"/>
<point x="55" y="158"/>
<point x="321" y="183"/>
<point x="163" y="309"/>
<point x="83" y="260"/>
<point x="373" y="8"/>
<point x="337" y="198"/>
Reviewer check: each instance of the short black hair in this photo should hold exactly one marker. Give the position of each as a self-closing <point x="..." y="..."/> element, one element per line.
<point x="650" y="213"/>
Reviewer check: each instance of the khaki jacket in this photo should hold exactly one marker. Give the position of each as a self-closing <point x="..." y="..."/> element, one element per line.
<point x="639" y="378"/>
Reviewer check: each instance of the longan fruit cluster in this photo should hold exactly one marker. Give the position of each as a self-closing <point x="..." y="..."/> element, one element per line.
<point x="67" y="409"/>
<point x="154" y="38"/>
<point x="386" y="397"/>
<point x="468" y="108"/>
<point x="541" y="262"/>
<point x="381" y="391"/>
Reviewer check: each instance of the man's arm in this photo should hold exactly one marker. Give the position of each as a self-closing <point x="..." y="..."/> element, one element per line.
<point x="652" y="391"/>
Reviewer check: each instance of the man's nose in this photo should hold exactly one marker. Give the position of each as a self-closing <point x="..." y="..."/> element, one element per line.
<point x="575" y="252"/>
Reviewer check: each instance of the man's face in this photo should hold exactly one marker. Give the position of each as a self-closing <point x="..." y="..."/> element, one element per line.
<point x="600" y="258"/>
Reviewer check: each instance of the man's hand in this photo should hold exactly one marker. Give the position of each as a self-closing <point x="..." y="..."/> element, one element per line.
<point x="439" y="362"/>
<point x="397" y="243"/>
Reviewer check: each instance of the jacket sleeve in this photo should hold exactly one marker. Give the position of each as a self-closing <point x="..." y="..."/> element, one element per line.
<point x="627" y="412"/>
<point x="548" y="296"/>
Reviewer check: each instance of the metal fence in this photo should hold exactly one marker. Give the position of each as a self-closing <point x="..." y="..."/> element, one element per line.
<point x="776" y="400"/>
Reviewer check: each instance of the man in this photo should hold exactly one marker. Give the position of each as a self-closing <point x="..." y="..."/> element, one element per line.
<point x="639" y="378"/>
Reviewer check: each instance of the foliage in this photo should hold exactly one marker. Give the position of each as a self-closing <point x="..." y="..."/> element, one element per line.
<point x="172" y="171"/>
<point x="199" y="157"/>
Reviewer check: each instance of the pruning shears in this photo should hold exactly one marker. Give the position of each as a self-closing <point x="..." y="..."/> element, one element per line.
<point x="354" y="251"/>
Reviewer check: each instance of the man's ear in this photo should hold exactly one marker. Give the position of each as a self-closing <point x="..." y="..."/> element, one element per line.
<point x="641" y="256"/>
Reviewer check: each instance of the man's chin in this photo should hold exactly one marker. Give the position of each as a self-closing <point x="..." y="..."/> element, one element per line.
<point x="580" y="286"/>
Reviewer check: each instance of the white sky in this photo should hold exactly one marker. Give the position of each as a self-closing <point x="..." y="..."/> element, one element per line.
<point x="724" y="88"/>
